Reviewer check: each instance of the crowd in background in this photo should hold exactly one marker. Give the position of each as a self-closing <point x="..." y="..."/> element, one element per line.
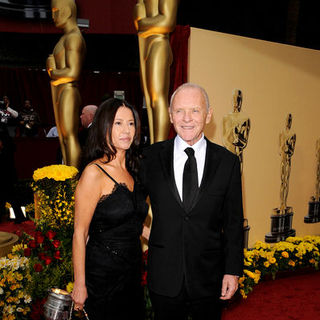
<point x="19" y="122"/>
<point x="24" y="122"/>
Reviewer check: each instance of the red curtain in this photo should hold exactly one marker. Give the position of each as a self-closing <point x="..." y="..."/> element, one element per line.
<point x="179" y="41"/>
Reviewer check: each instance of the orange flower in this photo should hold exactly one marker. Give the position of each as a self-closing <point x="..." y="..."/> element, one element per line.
<point x="291" y="263"/>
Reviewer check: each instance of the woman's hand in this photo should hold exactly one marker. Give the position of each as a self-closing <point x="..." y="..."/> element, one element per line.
<point x="79" y="296"/>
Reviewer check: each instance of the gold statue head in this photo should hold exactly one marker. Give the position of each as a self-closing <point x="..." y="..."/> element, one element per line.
<point x="289" y="121"/>
<point x="63" y="11"/>
<point x="237" y="100"/>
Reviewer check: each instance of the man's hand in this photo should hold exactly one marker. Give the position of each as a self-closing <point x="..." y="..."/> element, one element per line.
<point x="229" y="286"/>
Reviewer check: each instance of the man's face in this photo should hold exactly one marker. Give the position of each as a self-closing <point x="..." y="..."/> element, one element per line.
<point x="27" y="104"/>
<point x="189" y="114"/>
<point x="85" y="117"/>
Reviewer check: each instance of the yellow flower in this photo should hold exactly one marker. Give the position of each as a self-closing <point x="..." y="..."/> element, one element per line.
<point x="272" y="260"/>
<point x="240" y="280"/>
<point x="252" y="275"/>
<point x="285" y="254"/>
<point x="312" y="261"/>
<point x="58" y="172"/>
<point x="26" y="310"/>
<point x="69" y="287"/>
<point x="18" y="247"/>
<point x="7" y="205"/>
<point x="266" y="264"/>
<point x="19" y="276"/>
<point x="244" y="296"/>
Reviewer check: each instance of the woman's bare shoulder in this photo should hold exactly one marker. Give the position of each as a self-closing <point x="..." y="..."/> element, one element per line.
<point x="91" y="173"/>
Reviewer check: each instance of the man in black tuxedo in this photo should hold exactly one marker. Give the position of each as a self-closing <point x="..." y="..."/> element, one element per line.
<point x="86" y="119"/>
<point x="196" y="242"/>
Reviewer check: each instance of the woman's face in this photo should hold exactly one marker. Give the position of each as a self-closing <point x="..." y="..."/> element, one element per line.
<point x="123" y="129"/>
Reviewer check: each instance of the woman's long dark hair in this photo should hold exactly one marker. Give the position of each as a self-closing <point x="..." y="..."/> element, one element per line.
<point x="101" y="131"/>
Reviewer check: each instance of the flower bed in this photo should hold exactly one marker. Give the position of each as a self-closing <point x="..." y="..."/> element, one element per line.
<point x="15" y="301"/>
<point x="265" y="259"/>
<point x="45" y="259"/>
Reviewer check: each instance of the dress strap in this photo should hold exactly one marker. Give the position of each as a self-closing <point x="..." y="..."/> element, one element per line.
<point x="106" y="173"/>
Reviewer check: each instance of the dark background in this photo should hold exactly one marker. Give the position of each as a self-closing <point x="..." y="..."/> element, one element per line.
<point x="115" y="47"/>
<point x="28" y="36"/>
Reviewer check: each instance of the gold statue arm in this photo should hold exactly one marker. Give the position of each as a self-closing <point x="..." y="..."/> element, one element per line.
<point x="139" y="12"/>
<point x="226" y="134"/>
<point x="318" y="148"/>
<point x="162" y="23"/>
<point x="73" y="61"/>
<point x="291" y="145"/>
<point x="241" y="134"/>
<point x="281" y="144"/>
<point x="51" y="64"/>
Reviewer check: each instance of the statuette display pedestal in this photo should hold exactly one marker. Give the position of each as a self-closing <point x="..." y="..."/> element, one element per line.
<point x="281" y="226"/>
<point x="313" y="213"/>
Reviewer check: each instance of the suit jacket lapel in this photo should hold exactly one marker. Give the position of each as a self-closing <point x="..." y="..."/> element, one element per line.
<point x="166" y="157"/>
<point x="210" y="168"/>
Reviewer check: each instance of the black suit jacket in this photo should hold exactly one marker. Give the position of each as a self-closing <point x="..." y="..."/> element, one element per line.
<point x="83" y="136"/>
<point x="197" y="246"/>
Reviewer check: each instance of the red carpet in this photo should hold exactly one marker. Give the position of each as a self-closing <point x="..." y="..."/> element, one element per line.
<point x="295" y="297"/>
<point x="19" y="228"/>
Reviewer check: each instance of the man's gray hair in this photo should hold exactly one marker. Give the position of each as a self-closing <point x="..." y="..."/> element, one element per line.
<point x="194" y="86"/>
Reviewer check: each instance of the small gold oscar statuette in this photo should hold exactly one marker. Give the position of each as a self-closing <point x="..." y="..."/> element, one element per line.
<point x="281" y="219"/>
<point x="235" y="135"/>
<point x="314" y="203"/>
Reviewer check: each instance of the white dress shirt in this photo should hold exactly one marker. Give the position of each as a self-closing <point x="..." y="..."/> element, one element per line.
<point x="180" y="158"/>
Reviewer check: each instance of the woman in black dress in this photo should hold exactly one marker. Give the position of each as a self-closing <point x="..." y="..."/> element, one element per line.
<point x="109" y="213"/>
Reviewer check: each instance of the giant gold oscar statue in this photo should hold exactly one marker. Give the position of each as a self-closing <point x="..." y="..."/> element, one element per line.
<point x="314" y="203"/>
<point x="64" y="68"/>
<point x="154" y="20"/>
<point x="281" y="220"/>
<point x="236" y="128"/>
